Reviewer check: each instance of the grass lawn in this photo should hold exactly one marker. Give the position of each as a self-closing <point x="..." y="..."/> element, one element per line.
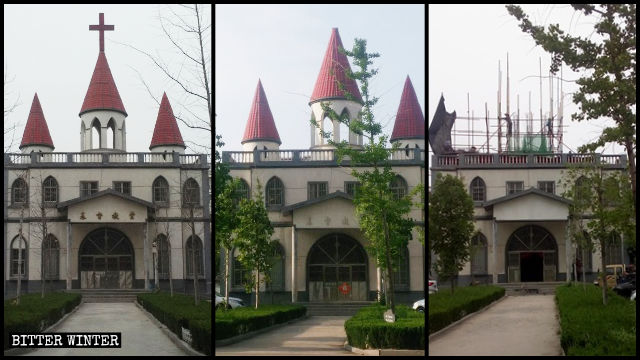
<point x="590" y="328"/>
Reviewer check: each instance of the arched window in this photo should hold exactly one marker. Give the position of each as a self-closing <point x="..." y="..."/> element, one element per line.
<point x="275" y="192"/>
<point x="398" y="187"/>
<point x="50" y="190"/>
<point x="479" y="255"/>
<point x="240" y="273"/>
<point x="344" y="128"/>
<point x="51" y="257"/>
<point x="160" y="191"/>
<point x="587" y="262"/>
<point x="163" y="253"/>
<point x="614" y="250"/>
<point x="198" y="254"/>
<point x="406" y="150"/>
<point x="191" y="193"/>
<point x="82" y="135"/>
<point x="242" y="191"/>
<point x="95" y="134"/>
<point x="19" y="192"/>
<point x="582" y="191"/>
<point x="327" y="128"/>
<point x="111" y="134"/>
<point x="18" y="257"/>
<point x="277" y="270"/>
<point x="401" y="274"/>
<point x="478" y="189"/>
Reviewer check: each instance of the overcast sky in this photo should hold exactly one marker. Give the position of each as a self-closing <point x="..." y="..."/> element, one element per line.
<point x="49" y="49"/>
<point x="467" y="41"/>
<point x="284" y="46"/>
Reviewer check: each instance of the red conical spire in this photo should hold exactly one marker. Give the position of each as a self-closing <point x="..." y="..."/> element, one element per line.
<point x="36" y="132"/>
<point x="333" y="71"/>
<point x="102" y="93"/>
<point x="260" y="125"/>
<point x="166" y="132"/>
<point x="409" y="119"/>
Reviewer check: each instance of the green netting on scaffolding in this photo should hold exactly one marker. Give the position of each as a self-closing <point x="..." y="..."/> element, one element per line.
<point x="533" y="144"/>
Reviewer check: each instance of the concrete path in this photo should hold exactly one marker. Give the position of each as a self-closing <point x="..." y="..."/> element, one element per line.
<point x="317" y="335"/>
<point x="518" y="325"/>
<point x="139" y="335"/>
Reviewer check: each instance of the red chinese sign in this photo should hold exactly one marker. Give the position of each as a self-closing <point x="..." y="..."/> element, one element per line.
<point x="344" y="288"/>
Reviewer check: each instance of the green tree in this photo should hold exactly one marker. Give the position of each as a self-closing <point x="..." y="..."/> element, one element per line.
<point x="226" y="223"/>
<point x="382" y="216"/>
<point x="608" y="67"/>
<point x="253" y="238"/>
<point x="604" y="198"/>
<point x="450" y="226"/>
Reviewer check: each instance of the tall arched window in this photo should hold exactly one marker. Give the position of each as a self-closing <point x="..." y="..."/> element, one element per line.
<point x="277" y="270"/>
<point x="191" y="193"/>
<point x="19" y="192"/>
<point x="95" y="134"/>
<point x="587" y="262"/>
<point x="275" y="192"/>
<point x="327" y="128"/>
<point x="51" y="257"/>
<point x="240" y="273"/>
<point x="162" y="247"/>
<point x="50" y="190"/>
<point x="111" y="134"/>
<point x="614" y="250"/>
<point x="18" y="258"/>
<point x="242" y="191"/>
<point x="189" y="249"/>
<point x="160" y="191"/>
<point x="344" y="128"/>
<point x="478" y="189"/>
<point x="479" y="255"/>
<point x="398" y="187"/>
<point x="401" y="274"/>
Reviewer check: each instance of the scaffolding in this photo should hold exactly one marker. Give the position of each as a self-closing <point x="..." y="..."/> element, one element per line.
<point x="513" y="132"/>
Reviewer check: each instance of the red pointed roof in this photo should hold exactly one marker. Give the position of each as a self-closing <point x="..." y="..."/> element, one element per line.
<point x="166" y="132"/>
<point x="102" y="93"/>
<point x="409" y="119"/>
<point x="36" y="132"/>
<point x="260" y="125"/>
<point x="333" y="71"/>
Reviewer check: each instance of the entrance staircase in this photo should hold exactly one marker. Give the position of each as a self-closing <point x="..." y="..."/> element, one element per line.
<point x="334" y="308"/>
<point x="531" y="288"/>
<point x="108" y="295"/>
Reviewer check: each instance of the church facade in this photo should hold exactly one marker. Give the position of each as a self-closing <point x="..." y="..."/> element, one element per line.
<point x="102" y="217"/>
<point x="322" y="254"/>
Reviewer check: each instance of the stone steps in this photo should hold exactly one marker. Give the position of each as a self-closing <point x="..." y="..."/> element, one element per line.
<point x="530" y="288"/>
<point x="334" y="309"/>
<point x="108" y="295"/>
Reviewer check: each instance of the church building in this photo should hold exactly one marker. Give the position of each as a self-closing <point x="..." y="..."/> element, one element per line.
<point x="102" y="217"/>
<point x="322" y="254"/>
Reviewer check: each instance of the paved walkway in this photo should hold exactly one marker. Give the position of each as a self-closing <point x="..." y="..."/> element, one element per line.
<point x="518" y="325"/>
<point x="317" y="335"/>
<point x="140" y="336"/>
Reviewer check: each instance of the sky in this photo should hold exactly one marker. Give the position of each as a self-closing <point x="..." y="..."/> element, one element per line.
<point x="464" y="46"/>
<point x="49" y="49"/>
<point x="284" y="45"/>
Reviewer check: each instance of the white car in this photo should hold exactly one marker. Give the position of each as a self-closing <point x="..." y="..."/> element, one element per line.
<point x="419" y="305"/>
<point x="633" y="296"/>
<point x="233" y="302"/>
<point x="433" y="286"/>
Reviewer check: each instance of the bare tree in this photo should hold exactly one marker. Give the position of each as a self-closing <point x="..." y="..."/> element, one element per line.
<point x="24" y="174"/>
<point x="189" y="33"/>
<point x="40" y="231"/>
<point x="9" y="107"/>
<point x="165" y="230"/>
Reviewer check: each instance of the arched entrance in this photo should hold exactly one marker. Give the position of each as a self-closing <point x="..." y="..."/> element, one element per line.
<point x="105" y="260"/>
<point x="532" y="255"/>
<point x="337" y="270"/>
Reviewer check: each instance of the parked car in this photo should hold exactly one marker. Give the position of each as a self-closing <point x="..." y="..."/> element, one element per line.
<point x="233" y="302"/>
<point x="626" y="286"/>
<point x="633" y="295"/>
<point x="433" y="286"/>
<point x="419" y="305"/>
<point x="614" y="274"/>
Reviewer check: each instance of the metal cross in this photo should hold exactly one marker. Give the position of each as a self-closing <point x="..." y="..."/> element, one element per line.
<point x="102" y="28"/>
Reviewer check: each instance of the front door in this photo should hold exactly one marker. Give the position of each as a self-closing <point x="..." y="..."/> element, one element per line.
<point x="106" y="260"/>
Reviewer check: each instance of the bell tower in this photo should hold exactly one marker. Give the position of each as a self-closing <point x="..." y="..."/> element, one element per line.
<point x="327" y="91"/>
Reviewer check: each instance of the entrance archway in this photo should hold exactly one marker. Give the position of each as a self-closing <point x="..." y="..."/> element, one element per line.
<point x="531" y="255"/>
<point x="337" y="270"/>
<point x="105" y="260"/>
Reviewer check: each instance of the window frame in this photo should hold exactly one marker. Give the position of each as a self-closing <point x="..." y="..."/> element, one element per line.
<point x="483" y="244"/>
<point x="394" y="188"/>
<point x="199" y="254"/>
<point x="91" y="189"/>
<point x="49" y="187"/>
<point x="193" y="188"/>
<point x="268" y="188"/>
<point x="51" y="240"/>
<point x="509" y="183"/>
<point x="356" y="185"/>
<point x="542" y="185"/>
<point x="14" y="259"/>
<point x="19" y="184"/>
<point x="475" y="186"/>
<point x="157" y="185"/>
<point x="405" y="268"/>
<point x="316" y="193"/>
<point x="122" y="183"/>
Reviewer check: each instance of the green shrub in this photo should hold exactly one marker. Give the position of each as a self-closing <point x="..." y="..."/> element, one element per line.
<point x="368" y="330"/>
<point x="179" y="311"/>
<point x="590" y="328"/>
<point x="230" y="323"/>
<point x="445" y="308"/>
<point x="34" y="314"/>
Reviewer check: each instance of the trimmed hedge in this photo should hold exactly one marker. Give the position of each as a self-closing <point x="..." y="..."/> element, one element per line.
<point x="179" y="311"/>
<point x="368" y="330"/>
<point x="238" y="321"/>
<point x="445" y="308"/>
<point x="34" y="314"/>
<point x="590" y="328"/>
